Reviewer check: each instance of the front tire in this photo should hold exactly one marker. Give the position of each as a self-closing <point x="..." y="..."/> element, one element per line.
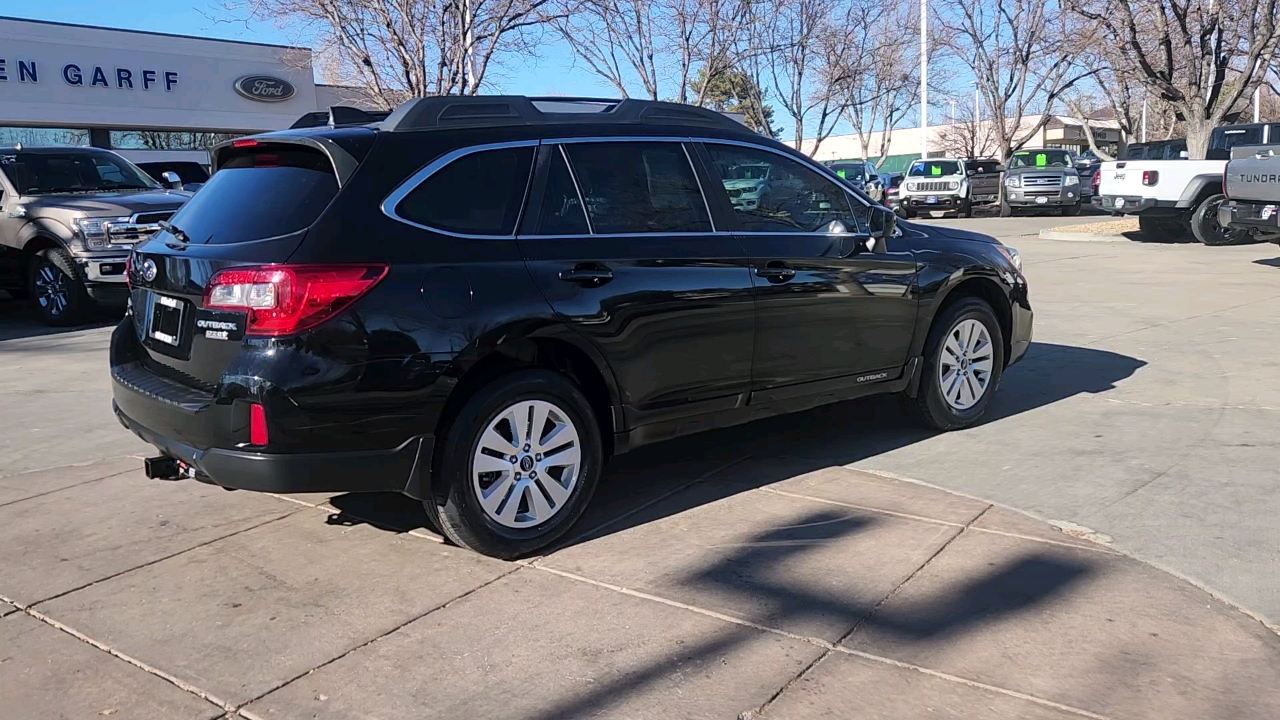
<point x="963" y="362"/>
<point x="57" y="287"/>
<point x="1070" y="210"/>
<point x="517" y="466"/>
<point x="1006" y="210"/>
<point x="966" y="209"/>
<point x="1205" y="227"/>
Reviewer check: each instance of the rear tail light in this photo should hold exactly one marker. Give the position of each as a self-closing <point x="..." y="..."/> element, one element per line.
<point x="1150" y="177"/>
<point x="244" y="143"/>
<point x="285" y="299"/>
<point x="1097" y="180"/>
<point x="257" y="425"/>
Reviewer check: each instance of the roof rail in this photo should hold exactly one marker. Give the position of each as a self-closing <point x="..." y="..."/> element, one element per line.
<point x="495" y="110"/>
<point x="339" y="116"/>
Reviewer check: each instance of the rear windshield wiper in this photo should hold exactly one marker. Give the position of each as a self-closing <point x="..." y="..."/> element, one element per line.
<point x="175" y="231"/>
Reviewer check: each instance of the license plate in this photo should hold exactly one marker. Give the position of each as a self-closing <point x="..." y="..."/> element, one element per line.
<point x="933" y="199"/>
<point x="166" y="320"/>
<point x="1267" y="212"/>
<point x="1042" y="200"/>
<point x="1119" y="202"/>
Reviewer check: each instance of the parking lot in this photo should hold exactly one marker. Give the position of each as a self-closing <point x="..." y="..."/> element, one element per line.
<point x="838" y="562"/>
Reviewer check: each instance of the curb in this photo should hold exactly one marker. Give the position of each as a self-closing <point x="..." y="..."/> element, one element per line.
<point x="1082" y="237"/>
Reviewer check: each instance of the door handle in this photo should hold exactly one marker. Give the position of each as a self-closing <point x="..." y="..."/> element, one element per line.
<point x="587" y="274"/>
<point x="776" y="272"/>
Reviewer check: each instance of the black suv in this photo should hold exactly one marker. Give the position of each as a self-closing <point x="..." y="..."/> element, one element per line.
<point x="477" y="301"/>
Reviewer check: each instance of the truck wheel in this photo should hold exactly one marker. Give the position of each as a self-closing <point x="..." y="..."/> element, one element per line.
<point x="1006" y="210"/>
<point x="1205" y="227"/>
<point x="56" y="285"/>
<point x="966" y="209"/>
<point x="517" y="466"/>
<point x="1161" y="229"/>
<point x="1069" y="210"/>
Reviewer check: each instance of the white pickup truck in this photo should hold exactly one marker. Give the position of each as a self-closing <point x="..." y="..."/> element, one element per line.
<point x="1172" y="197"/>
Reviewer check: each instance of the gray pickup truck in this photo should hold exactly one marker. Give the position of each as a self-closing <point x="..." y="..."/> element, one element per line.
<point x="1252" y="186"/>
<point x="1043" y="179"/>
<point x="68" y="218"/>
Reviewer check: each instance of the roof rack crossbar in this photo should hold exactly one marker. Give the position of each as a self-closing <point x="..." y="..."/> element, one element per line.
<point x="480" y="111"/>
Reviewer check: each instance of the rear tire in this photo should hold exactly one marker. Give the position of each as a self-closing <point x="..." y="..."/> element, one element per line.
<point x="1164" y="229"/>
<point x="1006" y="210"/>
<point x="963" y="362"/>
<point x="517" y="516"/>
<point x="56" y="285"/>
<point x="1205" y="227"/>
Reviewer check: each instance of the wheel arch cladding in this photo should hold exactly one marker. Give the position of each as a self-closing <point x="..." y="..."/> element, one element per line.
<point x="537" y="353"/>
<point x="989" y="291"/>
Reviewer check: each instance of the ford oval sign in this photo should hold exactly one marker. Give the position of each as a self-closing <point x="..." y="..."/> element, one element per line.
<point x="264" y="88"/>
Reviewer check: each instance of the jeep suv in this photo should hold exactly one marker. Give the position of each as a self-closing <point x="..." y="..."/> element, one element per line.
<point x="477" y="301"/>
<point x="68" y="217"/>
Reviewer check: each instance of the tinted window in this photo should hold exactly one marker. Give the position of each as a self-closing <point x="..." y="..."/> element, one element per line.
<point x="40" y="173"/>
<point x="561" y="208"/>
<point x="259" y="193"/>
<point x="792" y="198"/>
<point x="643" y="187"/>
<point x="1273" y="136"/>
<point x="849" y="171"/>
<point x="934" y="168"/>
<point x="1226" y="138"/>
<point x="477" y="194"/>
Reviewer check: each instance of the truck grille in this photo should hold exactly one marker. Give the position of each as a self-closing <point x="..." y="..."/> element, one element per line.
<point x="1042" y="185"/>
<point x="932" y="186"/>
<point x="136" y="229"/>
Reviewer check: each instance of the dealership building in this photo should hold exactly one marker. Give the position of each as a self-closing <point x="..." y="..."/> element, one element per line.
<point x="149" y="96"/>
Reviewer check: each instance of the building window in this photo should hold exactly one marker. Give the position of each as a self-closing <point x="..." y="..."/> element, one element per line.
<point x="35" y="137"/>
<point x="167" y="139"/>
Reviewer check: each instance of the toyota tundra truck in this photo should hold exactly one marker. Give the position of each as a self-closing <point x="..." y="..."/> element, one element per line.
<point x="1174" y="197"/>
<point x="1252" y="185"/>
<point x="68" y="218"/>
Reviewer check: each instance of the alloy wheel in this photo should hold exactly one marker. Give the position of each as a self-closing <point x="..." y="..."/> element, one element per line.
<point x="525" y="466"/>
<point x="965" y="364"/>
<point x="52" y="289"/>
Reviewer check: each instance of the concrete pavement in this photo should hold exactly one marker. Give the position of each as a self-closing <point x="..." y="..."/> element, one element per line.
<point x="727" y="586"/>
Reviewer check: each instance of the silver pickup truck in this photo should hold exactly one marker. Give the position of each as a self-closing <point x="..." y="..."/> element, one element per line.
<point x="1252" y="185"/>
<point x="68" y="218"/>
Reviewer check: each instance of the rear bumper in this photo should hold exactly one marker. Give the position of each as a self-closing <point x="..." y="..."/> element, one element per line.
<point x="364" y="471"/>
<point x="1132" y="204"/>
<point x="1248" y="216"/>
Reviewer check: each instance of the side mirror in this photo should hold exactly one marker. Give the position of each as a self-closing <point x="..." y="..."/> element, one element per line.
<point x="884" y="225"/>
<point x="172" y="180"/>
<point x="970" y="172"/>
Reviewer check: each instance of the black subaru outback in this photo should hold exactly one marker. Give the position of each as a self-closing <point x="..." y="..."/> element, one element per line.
<point x="477" y="301"/>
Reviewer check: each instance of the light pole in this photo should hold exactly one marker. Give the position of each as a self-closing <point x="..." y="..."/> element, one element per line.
<point x="953" y="111"/>
<point x="924" y="79"/>
<point x="1144" y="119"/>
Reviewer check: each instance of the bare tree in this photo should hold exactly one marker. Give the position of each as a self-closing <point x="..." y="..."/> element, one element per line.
<point x="619" y="40"/>
<point x="792" y="48"/>
<point x="1023" y="55"/>
<point x="1203" y="57"/>
<point x="967" y="136"/>
<point x="879" y="76"/>
<point x="705" y="41"/>
<point x="397" y="49"/>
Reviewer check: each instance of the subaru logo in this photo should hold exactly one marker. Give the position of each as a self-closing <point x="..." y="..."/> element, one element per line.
<point x="148" y="269"/>
<point x="264" y="88"/>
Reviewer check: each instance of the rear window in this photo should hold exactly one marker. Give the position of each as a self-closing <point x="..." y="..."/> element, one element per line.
<point x="1226" y="138"/>
<point x="258" y="193"/>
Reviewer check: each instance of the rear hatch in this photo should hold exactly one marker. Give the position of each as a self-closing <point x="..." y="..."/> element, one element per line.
<point x="1254" y="174"/>
<point x="255" y="210"/>
<point x="1125" y="178"/>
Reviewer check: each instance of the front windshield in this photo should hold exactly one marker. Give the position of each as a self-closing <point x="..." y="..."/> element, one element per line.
<point x="934" y="168"/>
<point x="849" y="172"/>
<point x="746" y="172"/>
<point x="37" y="173"/>
<point x="1040" y="158"/>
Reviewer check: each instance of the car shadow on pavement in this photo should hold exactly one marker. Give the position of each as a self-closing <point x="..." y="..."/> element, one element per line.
<point x="1269" y="262"/>
<point x="18" y="320"/>
<point x="837" y="434"/>
<point x="752" y="571"/>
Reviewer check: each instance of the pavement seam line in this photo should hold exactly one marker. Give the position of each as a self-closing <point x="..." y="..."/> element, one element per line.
<point x="61" y="467"/>
<point x="701" y="478"/>
<point x="331" y="510"/>
<point x="1102" y="549"/>
<point x="852" y="506"/>
<point x="758" y="711"/>
<point x="113" y="576"/>
<point x="973" y="683"/>
<point x="157" y="672"/>
<point x="819" y="642"/>
<point x="69" y="487"/>
<point x="252" y="716"/>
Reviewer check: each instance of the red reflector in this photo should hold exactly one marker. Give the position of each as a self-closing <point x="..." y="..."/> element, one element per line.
<point x="257" y="425"/>
<point x="266" y="160"/>
<point x="285" y="299"/>
<point x="244" y="143"/>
